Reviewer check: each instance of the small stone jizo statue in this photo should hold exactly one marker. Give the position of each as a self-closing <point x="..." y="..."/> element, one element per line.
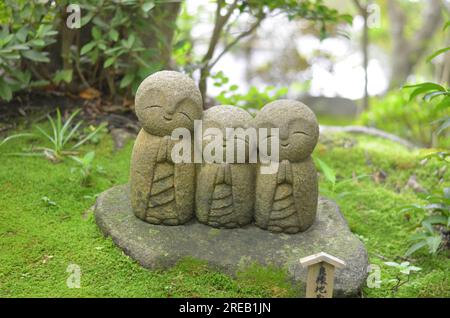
<point x="163" y="192"/>
<point x="286" y="201"/>
<point x="225" y="189"/>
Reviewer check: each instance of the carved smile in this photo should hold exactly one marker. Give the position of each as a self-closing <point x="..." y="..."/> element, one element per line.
<point x="167" y="118"/>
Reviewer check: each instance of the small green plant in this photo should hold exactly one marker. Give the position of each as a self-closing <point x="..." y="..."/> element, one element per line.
<point x="85" y="167"/>
<point x="62" y="134"/>
<point x="330" y="176"/>
<point x="431" y="91"/>
<point x="435" y="227"/>
<point x="65" y="137"/>
<point x="403" y="275"/>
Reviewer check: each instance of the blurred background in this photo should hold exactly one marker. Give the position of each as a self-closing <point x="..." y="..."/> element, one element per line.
<point x="348" y="60"/>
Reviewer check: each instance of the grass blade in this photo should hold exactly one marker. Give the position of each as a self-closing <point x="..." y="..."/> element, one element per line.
<point x="45" y="134"/>
<point x="67" y="124"/>
<point x="90" y="136"/>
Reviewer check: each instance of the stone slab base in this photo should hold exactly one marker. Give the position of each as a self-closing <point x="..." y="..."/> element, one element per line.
<point x="231" y="250"/>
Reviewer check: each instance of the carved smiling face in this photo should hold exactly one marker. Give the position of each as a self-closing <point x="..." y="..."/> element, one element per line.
<point x="297" y="124"/>
<point x="219" y="118"/>
<point x="168" y="100"/>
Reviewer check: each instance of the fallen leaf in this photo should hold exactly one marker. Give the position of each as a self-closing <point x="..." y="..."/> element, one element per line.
<point x="89" y="93"/>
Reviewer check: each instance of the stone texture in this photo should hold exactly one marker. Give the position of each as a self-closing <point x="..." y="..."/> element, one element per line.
<point x="225" y="190"/>
<point x="162" y="192"/>
<point x="286" y="201"/>
<point x="230" y="250"/>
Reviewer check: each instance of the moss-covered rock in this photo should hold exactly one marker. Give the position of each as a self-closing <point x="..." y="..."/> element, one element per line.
<point x="234" y="250"/>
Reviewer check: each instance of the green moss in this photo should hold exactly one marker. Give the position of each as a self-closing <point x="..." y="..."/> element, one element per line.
<point x="38" y="242"/>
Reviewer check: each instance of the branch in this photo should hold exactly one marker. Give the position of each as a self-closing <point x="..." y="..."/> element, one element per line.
<point x="220" y="21"/>
<point x="237" y="39"/>
<point x="367" y="131"/>
<point x="359" y="6"/>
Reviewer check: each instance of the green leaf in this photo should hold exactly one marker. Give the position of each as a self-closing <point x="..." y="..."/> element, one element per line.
<point x="35" y="56"/>
<point x="21" y="35"/>
<point x="415" y="247"/>
<point x="424" y="87"/>
<point x="447" y="24"/>
<point x="96" y="34"/>
<point x="89" y="157"/>
<point x="147" y="6"/>
<point x="444" y="103"/>
<point x="127" y="79"/>
<point x="90" y="136"/>
<point x="14" y="137"/>
<point x="438" y="52"/>
<point x="428" y="227"/>
<point x="433" y="243"/>
<point x="5" y="90"/>
<point x="114" y="35"/>
<point x="430" y="96"/>
<point x="428" y="84"/>
<point x="109" y="62"/>
<point x="38" y="42"/>
<point x="233" y="88"/>
<point x="445" y="125"/>
<point x="327" y="171"/>
<point x="63" y="76"/>
<point x="436" y="219"/>
<point x="87" y="48"/>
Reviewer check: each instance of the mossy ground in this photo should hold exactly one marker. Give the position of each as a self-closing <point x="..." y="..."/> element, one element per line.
<point x="38" y="242"/>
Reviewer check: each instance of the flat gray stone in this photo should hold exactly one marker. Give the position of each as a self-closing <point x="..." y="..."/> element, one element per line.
<point x="231" y="250"/>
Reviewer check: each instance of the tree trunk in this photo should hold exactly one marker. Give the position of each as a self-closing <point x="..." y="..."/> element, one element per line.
<point x="365" y="49"/>
<point x="407" y="52"/>
<point x="163" y="18"/>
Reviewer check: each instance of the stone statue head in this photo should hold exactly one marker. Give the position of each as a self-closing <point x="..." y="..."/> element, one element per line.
<point x="167" y="100"/>
<point x="298" y="127"/>
<point x="226" y="116"/>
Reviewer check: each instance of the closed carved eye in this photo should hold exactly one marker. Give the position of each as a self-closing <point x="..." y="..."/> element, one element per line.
<point x="152" y="106"/>
<point x="186" y="115"/>
<point x="300" y="133"/>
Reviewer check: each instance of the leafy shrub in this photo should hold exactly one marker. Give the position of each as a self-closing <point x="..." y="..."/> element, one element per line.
<point x="117" y="45"/>
<point x="435" y="227"/>
<point x="22" y="45"/>
<point x="409" y="118"/>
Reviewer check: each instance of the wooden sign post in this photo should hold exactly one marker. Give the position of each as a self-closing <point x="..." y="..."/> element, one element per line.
<point x="320" y="280"/>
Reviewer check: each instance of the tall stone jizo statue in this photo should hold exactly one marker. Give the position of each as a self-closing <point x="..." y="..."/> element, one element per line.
<point x="286" y="201"/>
<point x="225" y="189"/>
<point x="163" y="192"/>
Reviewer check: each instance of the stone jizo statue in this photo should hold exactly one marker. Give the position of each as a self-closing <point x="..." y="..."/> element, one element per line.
<point x="163" y="192"/>
<point x="225" y="189"/>
<point x="286" y="201"/>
